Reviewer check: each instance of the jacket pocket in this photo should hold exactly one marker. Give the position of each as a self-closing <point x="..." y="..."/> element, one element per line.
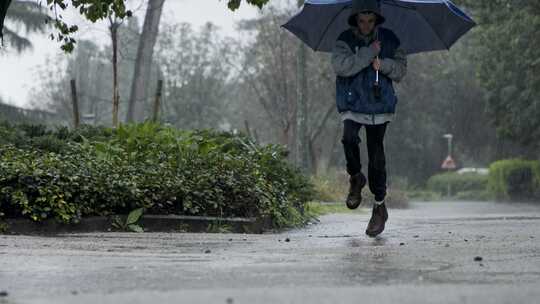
<point x="389" y="97"/>
<point x="345" y="95"/>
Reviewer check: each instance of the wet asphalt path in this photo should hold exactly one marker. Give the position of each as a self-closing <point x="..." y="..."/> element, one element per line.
<point x="426" y="255"/>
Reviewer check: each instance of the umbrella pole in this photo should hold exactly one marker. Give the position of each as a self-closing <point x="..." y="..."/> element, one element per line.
<point x="376" y="87"/>
<point x="377" y="57"/>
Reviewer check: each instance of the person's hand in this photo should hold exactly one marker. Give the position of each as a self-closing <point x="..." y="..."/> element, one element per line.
<point x="376" y="45"/>
<point x="376" y="64"/>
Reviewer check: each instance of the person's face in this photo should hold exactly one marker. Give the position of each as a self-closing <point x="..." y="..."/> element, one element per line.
<point x="366" y="22"/>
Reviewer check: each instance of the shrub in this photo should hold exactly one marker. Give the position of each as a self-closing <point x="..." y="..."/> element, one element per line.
<point x="514" y="179"/>
<point x="67" y="174"/>
<point x="396" y="199"/>
<point x="458" y="182"/>
<point x="474" y="195"/>
<point x="330" y="188"/>
<point x="421" y="195"/>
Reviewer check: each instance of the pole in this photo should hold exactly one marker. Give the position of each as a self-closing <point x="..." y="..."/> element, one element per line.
<point x="450" y="145"/>
<point x="449" y="153"/>
<point x="255" y="136"/>
<point x="157" y="101"/>
<point x="74" y="103"/>
<point x="448" y="188"/>
<point x="449" y="140"/>
<point x="248" y="130"/>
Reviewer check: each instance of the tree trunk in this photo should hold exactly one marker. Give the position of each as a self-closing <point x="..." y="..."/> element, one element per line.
<point x="143" y="60"/>
<point x="113" y="28"/>
<point x="314" y="154"/>
<point x="332" y="161"/>
<point x="290" y="132"/>
<point x="302" y="113"/>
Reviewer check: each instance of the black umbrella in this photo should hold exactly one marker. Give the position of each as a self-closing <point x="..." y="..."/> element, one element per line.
<point x="421" y="25"/>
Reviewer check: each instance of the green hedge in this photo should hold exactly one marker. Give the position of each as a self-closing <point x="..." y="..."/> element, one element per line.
<point x="424" y="196"/>
<point x="67" y="174"/>
<point x="515" y="179"/>
<point x="474" y="195"/>
<point x="458" y="182"/>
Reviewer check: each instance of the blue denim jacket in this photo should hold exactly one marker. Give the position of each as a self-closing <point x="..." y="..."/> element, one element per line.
<point x="355" y="92"/>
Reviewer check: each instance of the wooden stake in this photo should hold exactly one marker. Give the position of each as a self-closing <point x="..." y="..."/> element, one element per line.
<point x="248" y="131"/>
<point x="157" y="101"/>
<point x="75" y="103"/>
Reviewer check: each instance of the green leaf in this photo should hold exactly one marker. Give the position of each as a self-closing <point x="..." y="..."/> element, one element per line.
<point x="135" y="228"/>
<point x="134" y="216"/>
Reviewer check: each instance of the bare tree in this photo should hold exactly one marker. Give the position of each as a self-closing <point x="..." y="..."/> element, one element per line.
<point x="196" y="75"/>
<point x="290" y="83"/>
<point x="303" y="143"/>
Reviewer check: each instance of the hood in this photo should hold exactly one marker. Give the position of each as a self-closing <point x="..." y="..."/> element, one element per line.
<point x="361" y="6"/>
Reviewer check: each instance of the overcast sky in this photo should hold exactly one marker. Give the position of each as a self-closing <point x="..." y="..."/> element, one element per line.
<point x="17" y="72"/>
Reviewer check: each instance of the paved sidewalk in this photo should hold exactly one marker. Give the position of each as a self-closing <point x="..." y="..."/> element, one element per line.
<point x="426" y="255"/>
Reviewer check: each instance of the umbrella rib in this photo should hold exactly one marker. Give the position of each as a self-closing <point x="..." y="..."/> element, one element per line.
<point x="326" y="29"/>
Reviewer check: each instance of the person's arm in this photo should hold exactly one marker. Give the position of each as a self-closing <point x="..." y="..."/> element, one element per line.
<point x="347" y="63"/>
<point x="395" y="68"/>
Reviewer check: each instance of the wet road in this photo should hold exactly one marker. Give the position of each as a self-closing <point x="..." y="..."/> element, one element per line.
<point x="426" y="255"/>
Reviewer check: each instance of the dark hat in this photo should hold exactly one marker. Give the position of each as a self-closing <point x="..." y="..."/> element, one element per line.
<point x="365" y="6"/>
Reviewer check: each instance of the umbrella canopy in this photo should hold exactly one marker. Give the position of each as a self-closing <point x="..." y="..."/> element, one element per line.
<point x="421" y="25"/>
<point x="3" y="10"/>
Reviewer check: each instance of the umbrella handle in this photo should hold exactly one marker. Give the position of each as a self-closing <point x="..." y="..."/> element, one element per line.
<point x="377" y="73"/>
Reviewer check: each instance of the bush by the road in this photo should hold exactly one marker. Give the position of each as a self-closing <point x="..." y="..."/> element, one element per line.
<point x="67" y="175"/>
<point x="474" y="195"/>
<point x="397" y="199"/>
<point x="515" y="179"/>
<point x="458" y="182"/>
<point x="423" y="195"/>
<point x="330" y="187"/>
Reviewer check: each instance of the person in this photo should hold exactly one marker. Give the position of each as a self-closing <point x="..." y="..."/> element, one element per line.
<point x="367" y="58"/>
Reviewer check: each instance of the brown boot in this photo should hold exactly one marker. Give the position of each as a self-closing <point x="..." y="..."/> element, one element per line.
<point x="379" y="216"/>
<point x="356" y="183"/>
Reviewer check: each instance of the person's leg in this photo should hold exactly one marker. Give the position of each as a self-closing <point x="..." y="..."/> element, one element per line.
<point x="377" y="178"/>
<point x="376" y="160"/>
<point x="357" y="180"/>
<point x="350" y="141"/>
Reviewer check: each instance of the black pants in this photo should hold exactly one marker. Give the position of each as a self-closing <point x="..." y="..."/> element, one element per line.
<point x="376" y="157"/>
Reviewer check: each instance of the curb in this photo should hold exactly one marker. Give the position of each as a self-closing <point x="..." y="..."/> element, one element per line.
<point x="150" y="223"/>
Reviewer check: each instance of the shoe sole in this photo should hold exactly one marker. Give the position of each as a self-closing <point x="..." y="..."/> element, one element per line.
<point x="354" y="207"/>
<point x="374" y="234"/>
